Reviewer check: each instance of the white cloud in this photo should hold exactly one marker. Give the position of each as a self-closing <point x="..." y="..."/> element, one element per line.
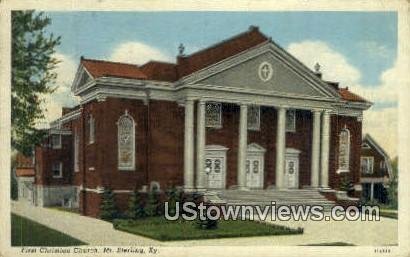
<point x="137" y="53"/>
<point x="334" y="65"/>
<point x="381" y="123"/>
<point x="62" y="96"/>
<point x="374" y="49"/>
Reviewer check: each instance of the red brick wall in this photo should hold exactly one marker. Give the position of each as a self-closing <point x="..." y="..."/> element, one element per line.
<point x="355" y="128"/>
<point x="46" y="155"/>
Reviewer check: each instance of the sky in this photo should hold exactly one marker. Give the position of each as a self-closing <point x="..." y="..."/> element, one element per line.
<point x="358" y="49"/>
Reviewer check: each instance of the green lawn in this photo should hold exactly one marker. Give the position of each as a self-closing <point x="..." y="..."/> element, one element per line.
<point x="164" y="230"/>
<point x="25" y="232"/>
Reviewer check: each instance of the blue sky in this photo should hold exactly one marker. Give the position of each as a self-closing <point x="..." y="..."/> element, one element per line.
<point x="358" y="49"/>
<point x="97" y="33"/>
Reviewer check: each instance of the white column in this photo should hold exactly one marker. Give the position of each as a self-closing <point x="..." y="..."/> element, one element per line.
<point x="200" y="148"/>
<point x="243" y="138"/>
<point x="324" y="176"/>
<point x="189" y="146"/>
<point x="280" y="147"/>
<point x="371" y="191"/>
<point x="315" y="161"/>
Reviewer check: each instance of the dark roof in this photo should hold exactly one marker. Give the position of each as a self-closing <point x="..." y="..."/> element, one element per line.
<point x="99" y="68"/>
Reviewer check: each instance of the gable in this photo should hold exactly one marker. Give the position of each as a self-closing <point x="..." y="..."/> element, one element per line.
<point x="285" y="79"/>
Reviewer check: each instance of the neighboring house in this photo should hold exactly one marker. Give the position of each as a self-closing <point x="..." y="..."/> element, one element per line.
<point x="241" y="114"/>
<point x="376" y="170"/>
<point x="25" y="177"/>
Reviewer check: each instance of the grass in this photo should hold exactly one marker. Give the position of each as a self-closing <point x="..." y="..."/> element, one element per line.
<point x="25" y="232"/>
<point x="161" y="229"/>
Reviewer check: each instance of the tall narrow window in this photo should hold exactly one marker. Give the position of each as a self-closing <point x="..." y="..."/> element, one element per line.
<point x="213" y="115"/>
<point x="344" y="150"/>
<point x="57" y="169"/>
<point x="254" y="117"/>
<point x="126" y="142"/>
<point x="91" y="129"/>
<point x="290" y="121"/>
<point x="76" y="151"/>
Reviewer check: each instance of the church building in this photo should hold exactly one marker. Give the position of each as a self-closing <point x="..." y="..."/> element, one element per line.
<point x="242" y="114"/>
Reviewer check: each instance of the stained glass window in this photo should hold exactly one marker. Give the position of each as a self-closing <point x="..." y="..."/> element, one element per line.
<point x="213" y="115"/>
<point x="344" y="150"/>
<point x="126" y="142"/>
<point x="290" y="121"/>
<point x="253" y="117"/>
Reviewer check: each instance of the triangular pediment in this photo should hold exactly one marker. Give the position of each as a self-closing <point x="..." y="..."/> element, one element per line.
<point x="81" y="78"/>
<point x="266" y="68"/>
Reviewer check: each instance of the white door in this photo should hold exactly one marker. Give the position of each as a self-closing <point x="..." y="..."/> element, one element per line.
<point x="254" y="172"/>
<point x="292" y="172"/>
<point x="215" y="171"/>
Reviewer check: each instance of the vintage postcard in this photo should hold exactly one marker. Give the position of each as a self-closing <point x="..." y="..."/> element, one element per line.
<point x="166" y="128"/>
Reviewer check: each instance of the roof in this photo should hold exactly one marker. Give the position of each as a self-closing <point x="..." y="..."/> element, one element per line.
<point x="25" y="172"/>
<point x="162" y="71"/>
<point x="218" y="52"/>
<point x="187" y="64"/>
<point x="23" y="161"/>
<point x="99" y="68"/>
<point x="347" y="95"/>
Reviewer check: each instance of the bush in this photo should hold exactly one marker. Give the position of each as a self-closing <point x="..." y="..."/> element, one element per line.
<point x="108" y="209"/>
<point x="207" y="223"/>
<point x="174" y="196"/>
<point x="136" y="206"/>
<point x="153" y="206"/>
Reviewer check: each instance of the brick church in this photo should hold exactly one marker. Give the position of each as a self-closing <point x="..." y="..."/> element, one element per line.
<point x="242" y="114"/>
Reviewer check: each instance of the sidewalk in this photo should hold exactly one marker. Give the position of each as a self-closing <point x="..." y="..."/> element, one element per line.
<point x="98" y="232"/>
<point x="90" y="230"/>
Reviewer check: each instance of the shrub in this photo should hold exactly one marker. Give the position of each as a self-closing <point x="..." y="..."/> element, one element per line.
<point x="108" y="209"/>
<point x="152" y="207"/>
<point x="207" y="223"/>
<point x="136" y="206"/>
<point x="174" y="196"/>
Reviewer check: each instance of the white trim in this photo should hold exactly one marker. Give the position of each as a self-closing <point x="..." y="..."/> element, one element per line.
<point x="66" y="118"/>
<point x="267" y="64"/>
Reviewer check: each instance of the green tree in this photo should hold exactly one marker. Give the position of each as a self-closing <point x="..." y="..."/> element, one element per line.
<point x="393" y="185"/>
<point x="108" y="209"/>
<point x="32" y="76"/>
<point x="136" y="208"/>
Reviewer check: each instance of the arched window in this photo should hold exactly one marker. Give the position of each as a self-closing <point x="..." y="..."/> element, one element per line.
<point x="126" y="142"/>
<point x="344" y="150"/>
<point x="91" y="129"/>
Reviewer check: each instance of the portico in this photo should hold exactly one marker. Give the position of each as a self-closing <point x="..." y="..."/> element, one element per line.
<point x="195" y="143"/>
